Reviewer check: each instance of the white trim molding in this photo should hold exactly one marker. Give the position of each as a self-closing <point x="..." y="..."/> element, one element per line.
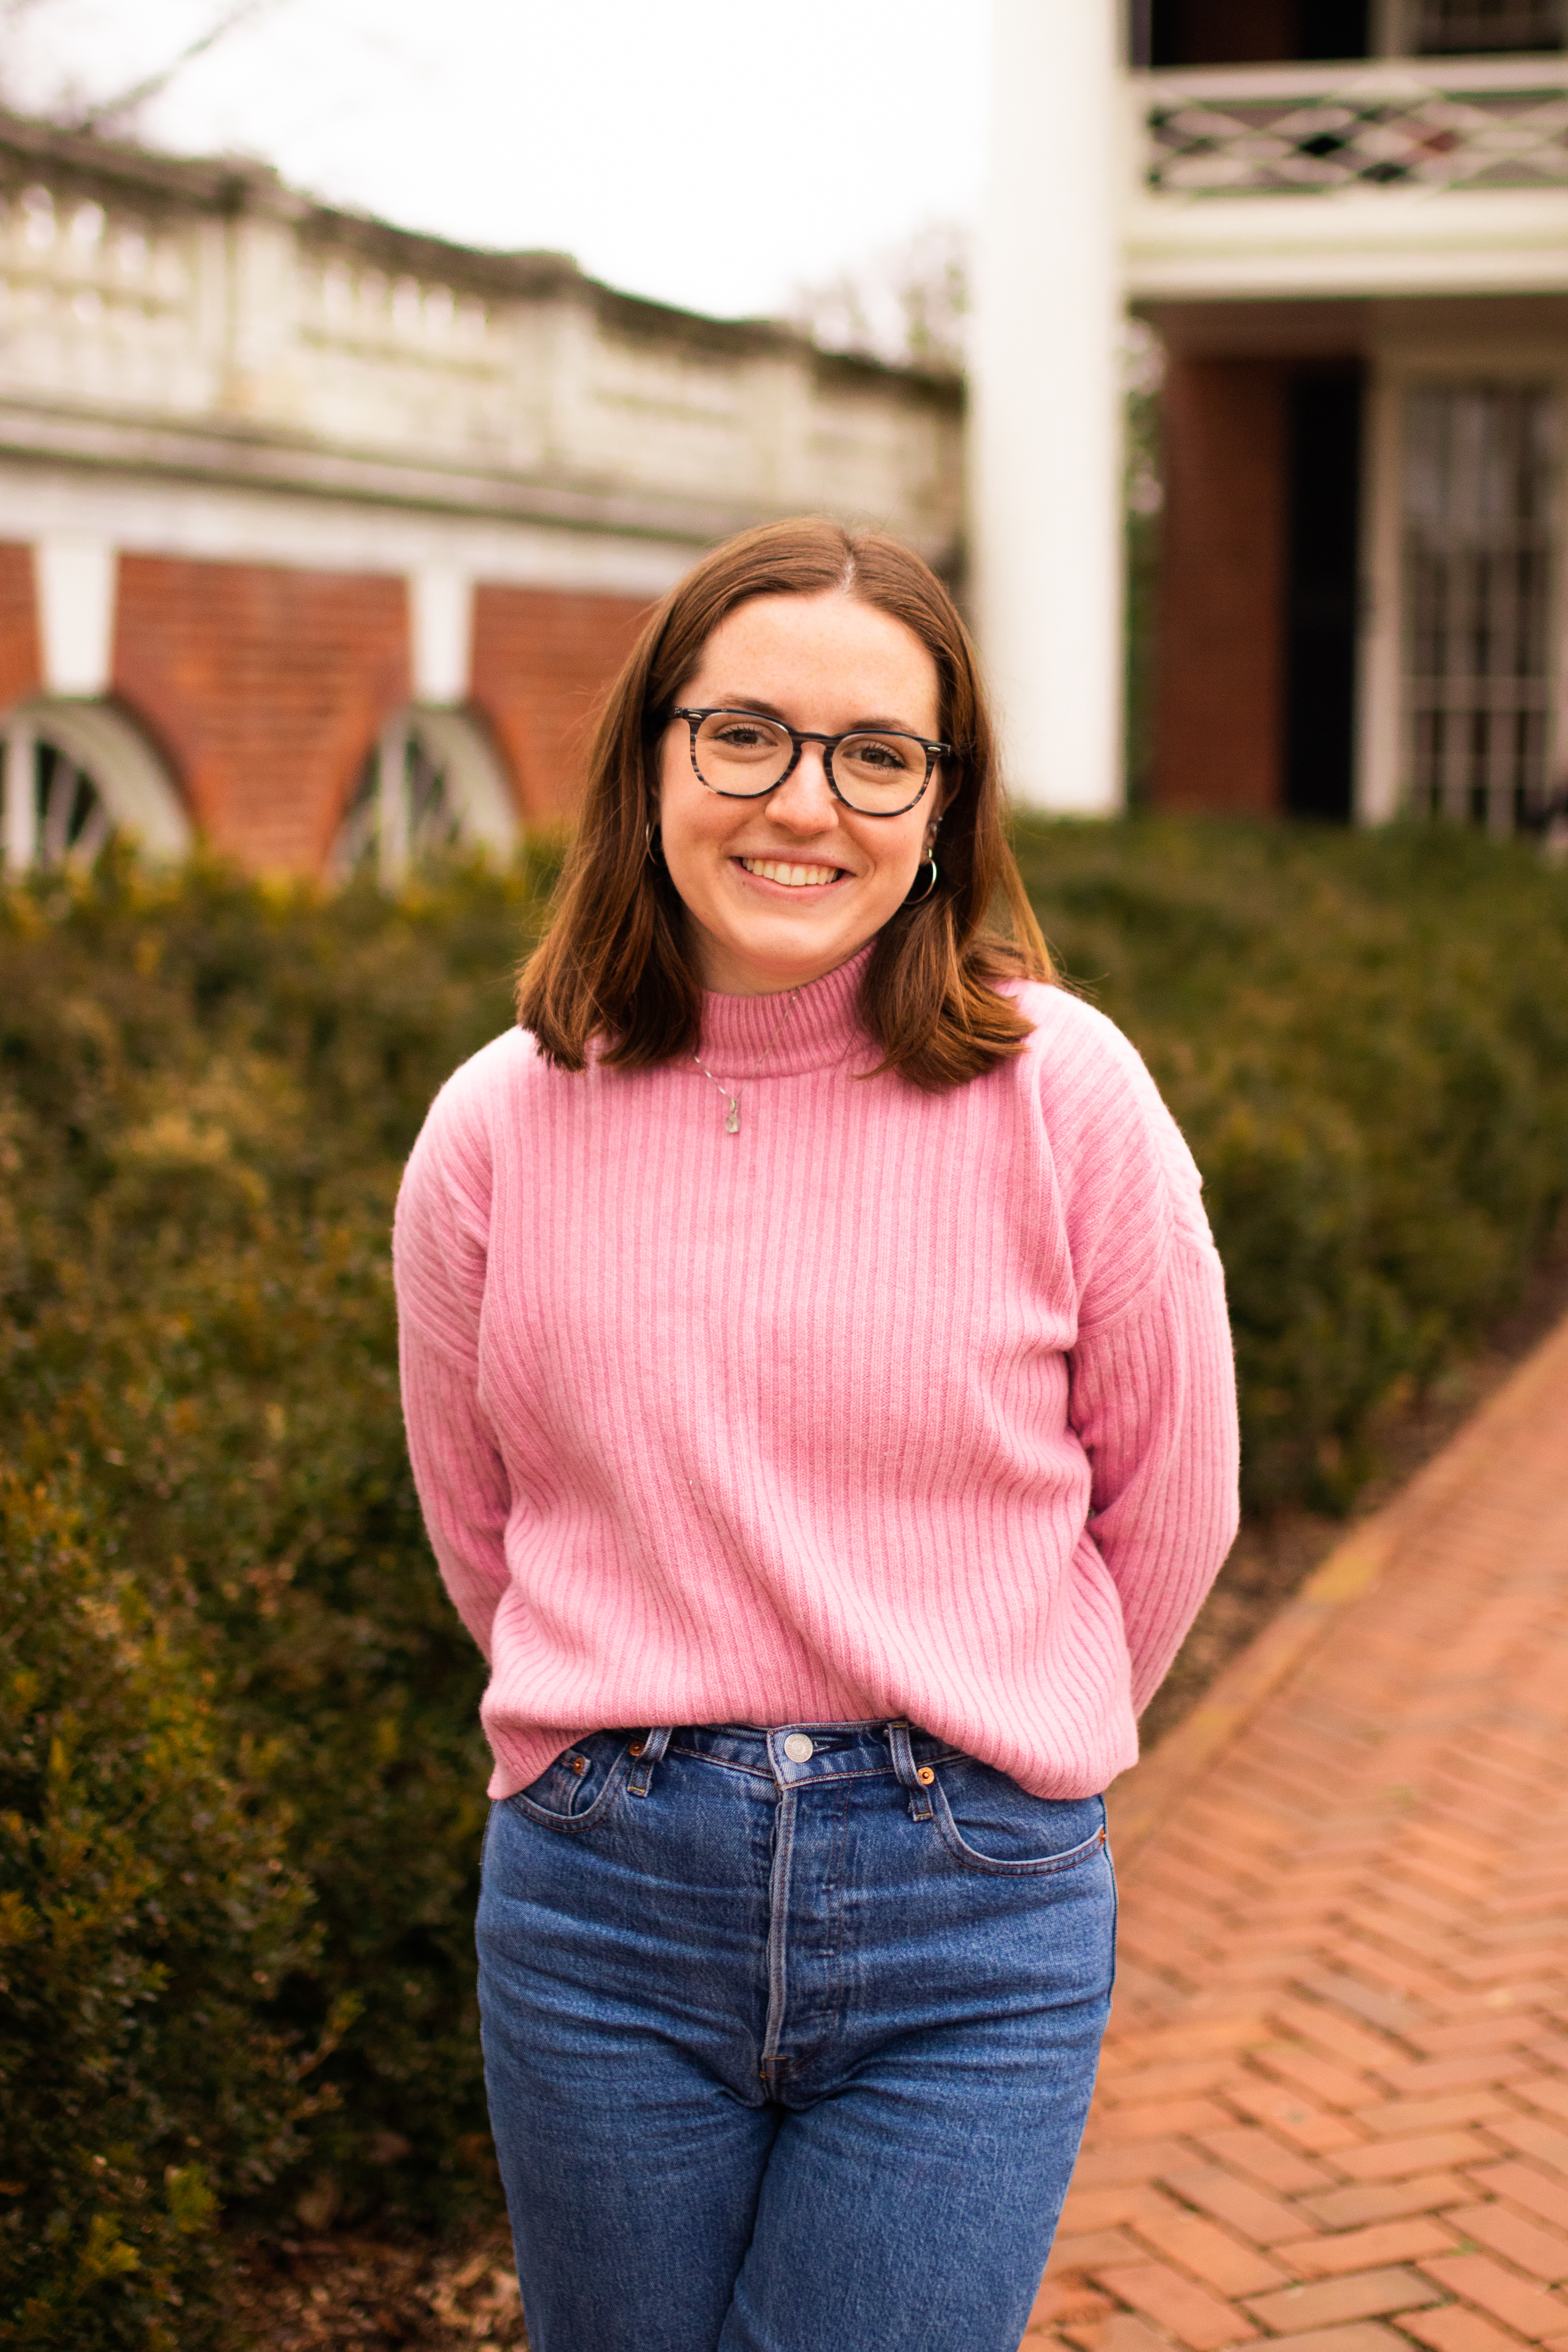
<point x="440" y="632"/>
<point x="76" y="581"/>
<point x="433" y="784"/>
<point x="1384" y="755"/>
<point x="109" y="757"/>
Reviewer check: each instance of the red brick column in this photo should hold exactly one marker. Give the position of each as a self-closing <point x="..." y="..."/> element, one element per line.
<point x="267" y="687"/>
<point x="542" y="659"/>
<point x="21" y="662"/>
<point x="1220" y="692"/>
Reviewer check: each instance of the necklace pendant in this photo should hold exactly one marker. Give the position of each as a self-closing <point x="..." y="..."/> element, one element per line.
<point x="732" y="1117"/>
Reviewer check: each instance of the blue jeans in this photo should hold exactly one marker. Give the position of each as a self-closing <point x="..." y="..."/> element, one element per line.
<point x="789" y="2038"/>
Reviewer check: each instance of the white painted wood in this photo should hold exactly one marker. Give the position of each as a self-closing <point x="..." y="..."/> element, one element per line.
<point x="477" y="791"/>
<point x="76" y="579"/>
<point x="1379" y="780"/>
<point x="227" y="523"/>
<point x="392" y="802"/>
<point x="441" y="612"/>
<point x="1355" y="240"/>
<point x="136" y="793"/>
<point x="1045" y="491"/>
<point x="21" y="821"/>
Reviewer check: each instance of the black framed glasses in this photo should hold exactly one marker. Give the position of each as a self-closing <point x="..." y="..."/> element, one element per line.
<point x="876" y="770"/>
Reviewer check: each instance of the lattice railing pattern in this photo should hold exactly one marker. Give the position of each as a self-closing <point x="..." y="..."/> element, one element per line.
<point x="1412" y="137"/>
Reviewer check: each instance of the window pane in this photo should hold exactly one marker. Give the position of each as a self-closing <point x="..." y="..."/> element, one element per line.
<point x="1480" y="467"/>
<point x="1470" y="27"/>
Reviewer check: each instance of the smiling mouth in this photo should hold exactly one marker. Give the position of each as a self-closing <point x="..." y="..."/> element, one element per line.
<point x="790" y="877"/>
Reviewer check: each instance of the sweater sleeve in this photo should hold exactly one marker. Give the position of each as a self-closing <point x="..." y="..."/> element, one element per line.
<point x="1153" y="1380"/>
<point x="440" y="1241"/>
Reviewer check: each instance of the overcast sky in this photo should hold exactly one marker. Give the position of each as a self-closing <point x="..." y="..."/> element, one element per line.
<point x="710" y="152"/>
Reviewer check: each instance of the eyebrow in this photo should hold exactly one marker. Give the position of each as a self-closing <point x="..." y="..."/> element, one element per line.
<point x="766" y="710"/>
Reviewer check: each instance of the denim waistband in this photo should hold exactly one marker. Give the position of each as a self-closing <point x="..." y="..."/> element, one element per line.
<point x="775" y="1752"/>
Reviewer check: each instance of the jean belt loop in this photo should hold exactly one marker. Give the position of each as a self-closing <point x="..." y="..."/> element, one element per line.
<point x="916" y="1781"/>
<point x="647" y="1752"/>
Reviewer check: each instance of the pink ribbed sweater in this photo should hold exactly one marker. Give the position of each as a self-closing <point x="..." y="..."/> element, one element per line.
<point x="891" y="1404"/>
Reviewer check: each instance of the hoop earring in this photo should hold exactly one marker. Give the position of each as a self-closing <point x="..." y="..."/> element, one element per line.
<point x="647" y="849"/>
<point x="929" y="859"/>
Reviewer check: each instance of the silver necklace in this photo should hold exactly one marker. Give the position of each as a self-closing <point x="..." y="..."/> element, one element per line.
<point x="733" y="1096"/>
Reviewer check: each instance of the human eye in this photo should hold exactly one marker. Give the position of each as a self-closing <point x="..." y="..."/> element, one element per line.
<point x="883" y="755"/>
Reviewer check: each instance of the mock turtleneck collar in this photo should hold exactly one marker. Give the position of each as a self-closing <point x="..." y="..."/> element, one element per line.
<point x="823" y="1028"/>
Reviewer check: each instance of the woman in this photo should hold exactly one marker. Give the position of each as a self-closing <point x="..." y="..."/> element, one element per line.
<point x="819" y="1391"/>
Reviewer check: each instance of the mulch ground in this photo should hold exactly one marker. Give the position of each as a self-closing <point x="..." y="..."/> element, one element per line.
<point x="1161" y="2251"/>
<point x="360" y="2293"/>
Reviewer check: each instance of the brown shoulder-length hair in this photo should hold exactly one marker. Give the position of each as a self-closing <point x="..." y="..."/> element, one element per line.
<point x="616" y="964"/>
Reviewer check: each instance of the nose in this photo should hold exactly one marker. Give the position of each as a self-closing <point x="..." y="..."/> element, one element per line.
<point x="804" y="803"/>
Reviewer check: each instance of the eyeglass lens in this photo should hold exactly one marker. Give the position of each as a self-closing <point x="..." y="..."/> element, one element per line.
<point x="878" y="773"/>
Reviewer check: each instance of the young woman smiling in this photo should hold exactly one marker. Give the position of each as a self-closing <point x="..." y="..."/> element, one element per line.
<point x="818" y="1385"/>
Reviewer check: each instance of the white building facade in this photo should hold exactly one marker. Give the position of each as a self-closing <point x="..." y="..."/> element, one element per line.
<point x="318" y="539"/>
<point x="1348" y="222"/>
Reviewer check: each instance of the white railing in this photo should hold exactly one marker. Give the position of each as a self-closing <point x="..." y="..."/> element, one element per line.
<point x="331" y="345"/>
<point x="1307" y="129"/>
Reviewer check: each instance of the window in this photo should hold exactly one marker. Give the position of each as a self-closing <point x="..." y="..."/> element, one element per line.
<point x="1479" y="475"/>
<point x="75" y="773"/>
<point x="432" y="784"/>
<point x="1472" y="28"/>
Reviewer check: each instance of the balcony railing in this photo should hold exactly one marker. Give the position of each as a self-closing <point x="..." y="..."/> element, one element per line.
<point x="1314" y="130"/>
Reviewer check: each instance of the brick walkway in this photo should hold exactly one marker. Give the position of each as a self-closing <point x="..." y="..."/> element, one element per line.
<point x="1333" y="2110"/>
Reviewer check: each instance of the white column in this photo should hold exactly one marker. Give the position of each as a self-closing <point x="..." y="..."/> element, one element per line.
<point x="76" y="581"/>
<point x="21" y="822"/>
<point x="441" y="628"/>
<point x="392" y="802"/>
<point x="1045" y="419"/>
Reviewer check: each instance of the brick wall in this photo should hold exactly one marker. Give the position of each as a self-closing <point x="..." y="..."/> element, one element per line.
<point x="541" y="658"/>
<point x="21" y="663"/>
<point x="266" y="688"/>
<point x="1220" y="693"/>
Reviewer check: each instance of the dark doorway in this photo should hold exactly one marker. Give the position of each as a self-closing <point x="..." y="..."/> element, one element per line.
<point x="1323" y="437"/>
<point x="1248" y="32"/>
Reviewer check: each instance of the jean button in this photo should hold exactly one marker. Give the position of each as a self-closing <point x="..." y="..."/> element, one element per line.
<point x="798" y="1747"/>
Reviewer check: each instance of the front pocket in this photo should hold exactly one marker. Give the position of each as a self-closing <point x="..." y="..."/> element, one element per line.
<point x="578" y="1788"/>
<point x="988" y="1822"/>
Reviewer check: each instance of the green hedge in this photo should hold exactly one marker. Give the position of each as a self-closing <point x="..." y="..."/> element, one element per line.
<point x="1365" y="1039"/>
<point x="206" y="1088"/>
<point x="148" y="1908"/>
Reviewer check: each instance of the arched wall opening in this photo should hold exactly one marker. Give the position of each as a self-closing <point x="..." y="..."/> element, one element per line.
<point x="431" y="784"/>
<point x="74" y="773"/>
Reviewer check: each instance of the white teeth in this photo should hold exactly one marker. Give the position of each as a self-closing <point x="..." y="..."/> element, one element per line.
<point x="793" y="877"/>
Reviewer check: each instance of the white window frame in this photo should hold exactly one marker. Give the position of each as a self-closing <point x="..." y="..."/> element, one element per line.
<point x="136" y="790"/>
<point x="476" y="787"/>
<point x="1384" y="784"/>
<point x="1392" y="31"/>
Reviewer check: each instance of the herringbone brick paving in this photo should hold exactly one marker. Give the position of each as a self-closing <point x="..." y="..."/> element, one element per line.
<point x="1333" y="2112"/>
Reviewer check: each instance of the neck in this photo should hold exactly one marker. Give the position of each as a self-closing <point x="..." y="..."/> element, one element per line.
<point x="800" y="1026"/>
<point x="725" y="973"/>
